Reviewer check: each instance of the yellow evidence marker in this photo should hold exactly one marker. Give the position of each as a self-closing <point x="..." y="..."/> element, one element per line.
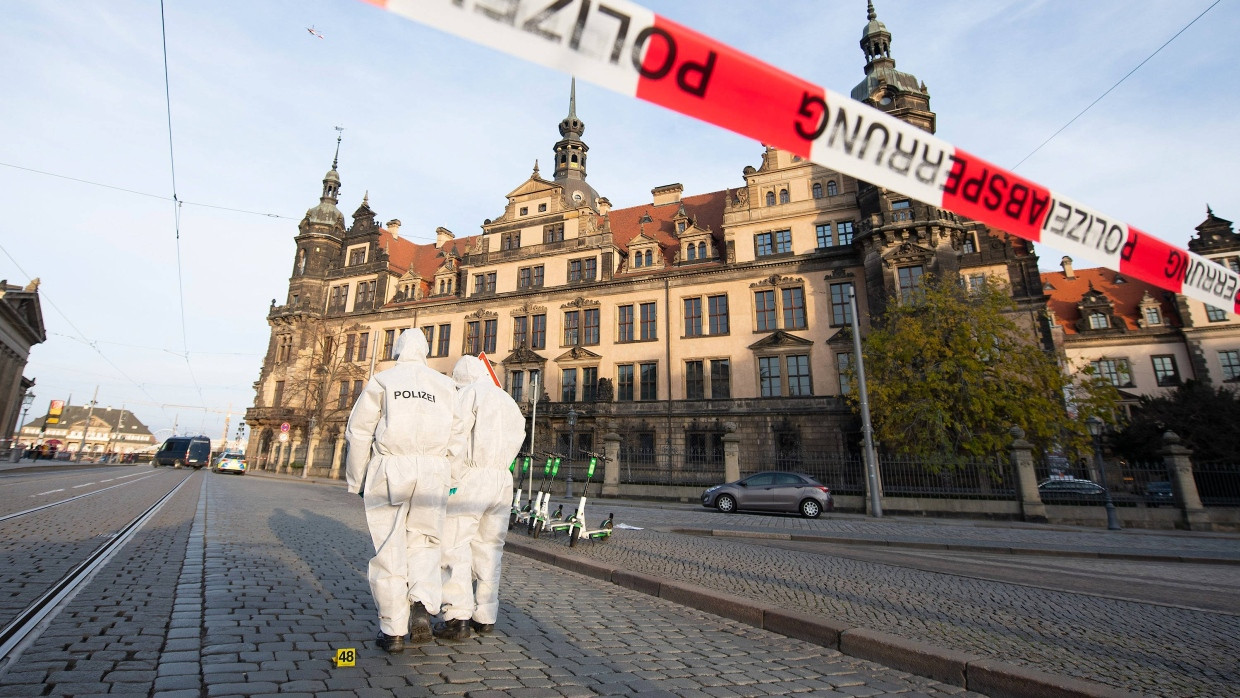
<point x="346" y="656"/>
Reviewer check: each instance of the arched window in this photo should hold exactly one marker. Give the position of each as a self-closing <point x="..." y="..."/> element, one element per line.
<point x="701" y="250"/>
<point x="833" y="189"/>
<point x="770" y="198"/>
<point x="817" y="190"/>
<point x="649" y="258"/>
<point x="783" y="196"/>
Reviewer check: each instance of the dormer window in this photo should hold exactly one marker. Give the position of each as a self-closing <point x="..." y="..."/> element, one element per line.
<point x="833" y="189"/>
<point x="680" y="226"/>
<point x="649" y="258"/>
<point x="817" y="190"/>
<point x="1098" y="321"/>
<point x="1153" y="316"/>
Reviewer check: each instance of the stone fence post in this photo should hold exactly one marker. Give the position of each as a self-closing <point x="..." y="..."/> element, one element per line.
<point x="611" y="468"/>
<point x="1178" y="460"/>
<point x="731" y="453"/>
<point x="1031" y="506"/>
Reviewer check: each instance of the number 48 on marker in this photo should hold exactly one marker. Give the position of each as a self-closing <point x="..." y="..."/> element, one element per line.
<point x="346" y="656"/>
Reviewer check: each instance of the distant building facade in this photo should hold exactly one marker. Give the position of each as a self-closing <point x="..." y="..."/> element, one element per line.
<point x="1143" y="339"/>
<point x="670" y="323"/>
<point x="109" y="431"/>
<point x="21" y="327"/>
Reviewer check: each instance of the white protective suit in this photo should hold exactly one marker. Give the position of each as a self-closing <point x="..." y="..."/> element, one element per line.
<point x="399" y="436"/>
<point x="477" y="520"/>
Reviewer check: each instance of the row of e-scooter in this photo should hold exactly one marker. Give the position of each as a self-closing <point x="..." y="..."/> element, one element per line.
<point x="533" y="513"/>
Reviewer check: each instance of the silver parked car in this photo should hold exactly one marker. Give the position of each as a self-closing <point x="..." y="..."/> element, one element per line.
<point x="772" y="491"/>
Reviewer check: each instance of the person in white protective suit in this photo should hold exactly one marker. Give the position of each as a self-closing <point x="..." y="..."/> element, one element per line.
<point x="477" y="518"/>
<point x="399" y="434"/>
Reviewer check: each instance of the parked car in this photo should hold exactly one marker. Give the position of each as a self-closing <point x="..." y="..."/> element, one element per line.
<point x="230" y="463"/>
<point x="1159" y="493"/>
<point x="181" y="451"/>
<point x="772" y="491"/>
<point x="1070" y="490"/>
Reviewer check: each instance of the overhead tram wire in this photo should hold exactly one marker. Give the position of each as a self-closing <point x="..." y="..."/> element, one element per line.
<point x="1117" y="84"/>
<point x="43" y="296"/>
<point x="163" y="30"/>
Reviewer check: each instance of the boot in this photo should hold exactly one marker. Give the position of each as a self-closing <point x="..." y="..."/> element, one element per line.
<point x="452" y="630"/>
<point x="481" y="628"/>
<point x="419" y="623"/>
<point x="392" y="643"/>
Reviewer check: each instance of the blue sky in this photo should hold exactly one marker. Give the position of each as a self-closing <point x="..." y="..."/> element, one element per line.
<point x="438" y="130"/>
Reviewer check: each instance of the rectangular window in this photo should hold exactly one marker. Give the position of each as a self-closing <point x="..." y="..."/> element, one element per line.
<point x="357" y="256"/>
<point x="363" y="342"/>
<point x="794" y="308"/>
<point x="589" y="334"/>
<point x="342" y="400"/>
<point x="568" y="386"/>
<point x="1152" y="316"/>
<point x="693" y="317"/>
<point x="538" y="276"/>
<point x="520" y="328"/>
<point x="624" y="382"/>
<point x="843" y="369"/>
<point x="589" y="269"/>
<point x="445" y="334"/>
<point x="473" y="331"/>
<point x="1215" y="314"/>
<point x="720" y="379"/>
<point x="764" y="306"/>
<point x="490" y="328"/>
<point x="1165" y="371"/>
<point x="798" y="375"/>
<point x="571" y="320"/>
<point x="910" y="282"/>
<point x="968" y="247"/>
<point x="977" y="283"/>
<point x="695" y="381"/>
<point x="1118" y="371"/>
<point x="783" y="241"/>
<point x="484" y="283"/>
<point x="389" y="339"/>
<point x="277" y="400"/>
<point x="523" y="277"/>
<point x="553" y="233"/>
<point x="1230" y="361"/>
<point x="516" y="385"/>
<point x="429" y="332"/>
<point x="510" y="241"/>
<point x="350" y="346"/>
<point x="841" y="307"/>
<point x="357" y="389"/>
<point x="768" y="377"/>
<point x="649" y="321"/>
<point x="536" y="386"/>
<point x="538" y="333"/>
<point x="649" y="378"/>
<point x="764" y="244"/>
<point x="844" y="233"/>
<point x="823" y="231"/>
<point x="359" y="296"/>
<point x="703" y="448"/>
<point x="589" y="384"/>
<point x="625" y="333"/>
<point x="718" y="307"/>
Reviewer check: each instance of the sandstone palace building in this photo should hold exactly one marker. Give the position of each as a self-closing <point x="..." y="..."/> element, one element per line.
<point x="670" y="322"/>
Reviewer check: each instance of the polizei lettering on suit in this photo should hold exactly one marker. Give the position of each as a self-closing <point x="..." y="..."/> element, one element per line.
<point x="397" y="394"/>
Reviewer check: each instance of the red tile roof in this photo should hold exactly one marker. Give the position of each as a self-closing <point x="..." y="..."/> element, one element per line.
<point x="1064" y="294"/>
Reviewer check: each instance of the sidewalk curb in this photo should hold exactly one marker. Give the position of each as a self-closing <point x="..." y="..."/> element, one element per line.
<point x="991" y="677"/>
<point x="960" y="547"/>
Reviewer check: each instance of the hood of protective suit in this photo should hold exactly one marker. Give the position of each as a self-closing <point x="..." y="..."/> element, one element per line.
<point x="470" y="369"/>
<point x="412" y="346"/>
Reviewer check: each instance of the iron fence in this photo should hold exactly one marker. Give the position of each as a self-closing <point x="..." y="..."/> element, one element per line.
<point x="902" y="475"/>
<point x="664" y="466"/>
<point x="1218" y="484"/>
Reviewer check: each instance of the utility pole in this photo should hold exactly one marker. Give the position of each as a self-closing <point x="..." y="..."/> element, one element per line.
<point x="89" y="414"/>
<point x="120" y="424"/>
<point x="871" y="459"/>
<point x="224" y="436"/>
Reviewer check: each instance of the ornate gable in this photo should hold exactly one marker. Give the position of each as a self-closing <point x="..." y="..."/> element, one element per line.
<point x="578" y="355"/>
<point x="775" y="280"/>
<point x="779" y="339"/>
<point x="580" y="302"/>
<point x="523" y="355"/>
<point x="907" y="253"/>
<point x="482" y="314"/>
<point x="528" y="308"/>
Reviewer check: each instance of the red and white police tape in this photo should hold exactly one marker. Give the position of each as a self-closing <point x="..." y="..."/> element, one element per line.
<point x="627" y="48"/>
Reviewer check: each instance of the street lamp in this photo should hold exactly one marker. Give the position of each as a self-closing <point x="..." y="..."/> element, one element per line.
<point x="27" y="400"/>
<point x="572" y="443"/>
<point x="867" y="432"/>
<point x="1095" y="429"/>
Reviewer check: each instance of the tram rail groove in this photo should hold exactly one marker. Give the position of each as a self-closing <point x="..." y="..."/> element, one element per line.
<point x="49" y="505"/>
<point x="14" y="635"/>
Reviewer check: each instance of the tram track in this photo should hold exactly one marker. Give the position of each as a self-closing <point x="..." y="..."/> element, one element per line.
<point x="49" y="505"/>
<point x="26" y="623"/>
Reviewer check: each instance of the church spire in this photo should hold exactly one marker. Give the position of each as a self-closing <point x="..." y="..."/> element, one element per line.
<point x="570" y="152"/>
<point x="876" y="41"/>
